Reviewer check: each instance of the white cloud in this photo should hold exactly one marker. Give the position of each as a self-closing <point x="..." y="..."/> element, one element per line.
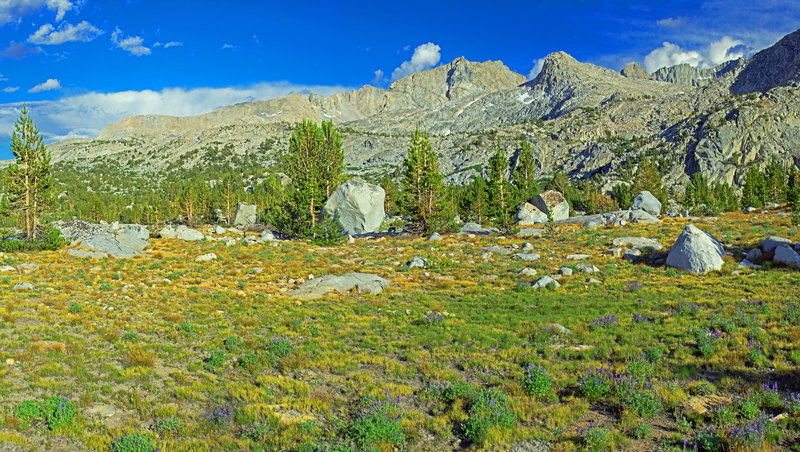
<point x="379" y="78"/>
<point x="10" y="89"/>
<point x="3" y="78"/>
<point x="671" y="22"/>
<point x="167" y="45"/>
<point x="84" y="116"/>
<point x="716" y="53"/>
<point x="537" y="67"/>
<point x="13" y="10"/>
<point x="50" y="85"/>
<point x="425" y="57"/>
<point x="47" y="34"/>
<point x="227" y="46"/>
<point x="132" y="44"/>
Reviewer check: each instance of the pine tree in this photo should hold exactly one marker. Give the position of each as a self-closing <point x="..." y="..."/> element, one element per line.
<point x="523" y="176"/>
<point x="331" y="160"/>
<point x="392" y="200"/>
<point x="647" y="178"/>
<point x="29" y="179"/>
<point x="422" y="186"/>
<point x="228" y="188"/>
<point x="475" y="203"/>
<point x="754" y="188"/>
<point x="500" y="196"/>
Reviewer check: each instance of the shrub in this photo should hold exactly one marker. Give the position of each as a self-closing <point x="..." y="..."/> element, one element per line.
<point x="327" y="232"/>
<point x="135" y="442"/>
<point x="488" y="409"/>
<point x="536" y="382"/>
<point x="596" y="383"/>
<point x="56" y="411"/>
<point x="48" y="238"/>
<point x="595" y="437"/>
<point x="378" y="424"/>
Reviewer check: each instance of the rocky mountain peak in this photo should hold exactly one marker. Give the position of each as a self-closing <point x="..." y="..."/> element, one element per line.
<point x="633" y="70"/>
<point x="778" y="65"/>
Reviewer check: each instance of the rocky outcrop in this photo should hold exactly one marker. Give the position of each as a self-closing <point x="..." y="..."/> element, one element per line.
<point x="778" y="65"/>
<point x="552" y="203"/>
<point x="633" y="70"/>
<point x="181" y="232"/>
<point x="528" y="214"/>
<point x="357" y="206"/>
<point x="363" y="283"/>
<point x="647" y="202"/>
<point x="102" y="240"/>
<point x="696" y="251"/>
<point x="245" y="215"/>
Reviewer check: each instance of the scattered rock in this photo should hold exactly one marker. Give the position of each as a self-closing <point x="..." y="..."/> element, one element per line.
<point x="786" y="256"/>
<point x="528" y="214"/>
<point x="577" y="257"/>
<point x="527" y="247"/>
<point x="593" y="281"/>
<point x="267" y="236"/>
<point x="530" y="232"/>
<point x="206" y="257"/>
<point x="27" y="268"/>
<point x="475" y="228"/>
<point x="647" y="202"/>
<point x="702" y="404"/>
<point x="587" y="268"/>
<point x="642" y="217"/>
<point x="23" y="286"/>
<point x="181" y="232"/>
<point x="552" y="203"/>
<point x="556" y="328"/>
<point x="103" y="240"/>
<point x="617" y="251"/>
<point x="528" y="257"/>
<point x="7" y="269"/>
<point x="219" y="230"/>
<point x="435" y="237"/>
<point x="754" y="255"/>
<point x="566" y="271"/>
<point x="527" y="272"/>
<point x="770" y="243"/>
<point x="245" y="215"/>
<point x="640" y="243"/>
<point x="357" y="206"/>
<point x="416" y="262"/>
<point x="747" y="264"/>
<point x="496" y="249"/>
<point x="102" y="410"/>
<point x="319" y="287"/>
<point x="545" y="281"/>
<point x="696" y="251"/>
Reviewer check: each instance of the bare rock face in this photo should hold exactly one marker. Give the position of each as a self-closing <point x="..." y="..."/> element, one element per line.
<point x="696" y="251"/>
<point x="778" y="65"/>
<point x="553" y="203"/>
<point x="245" y="215"/>
<point x="633" y="70"/>
<point x="529" y="214"/>
<point x="357" y="206"/>
<point x="647" y="202"/>
<point x="363" y="283"/>
<point x="102" y="240"/>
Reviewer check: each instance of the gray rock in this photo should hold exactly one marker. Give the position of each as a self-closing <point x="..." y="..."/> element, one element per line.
<point x="357" y="206"/>
<point x="496" y="250"/>
<point x="553" y="203"/>
<point x="593" y="281"/>
<point x="587" y="268"/>
<point x="577" y="257"/>
<point x="219" y="230"/>
<point x="647" y="202"/>
<point x="747" y="264"/>
<point x="530" y="232"/>
<point x="566" y="271"/>
<point x="27" y="268"/>
<point x="363" y="283"/>
<point x="639" y="243"/>
<point x="245" y="215"/>
<point x="417" y="262"/>
<point x="754" y="255"/>
<point x="435" y="237"/>
<point x="673" y="213"/>
<point x="181" y="232"/>
<point x="593" y="223"/>
<point x="750" y="209"/>
<point x="784" y="255"/>
<point x="527" y="272"/>
<point x="556" y="328"/>
<point x="695" y="251"/>
<point x="102" y="240"/>
<point x="639" y="216"/>
<point x="545" y="281"/>
<point x="267" y="236"/>
<point x="206" y="257"/>
<point x="7" y="269"/>
<point x="23" y="286"/>
<point x="475" y="228"/>
<point x="770" y="243"/>
<point x="528" y="214"/>
<point x="528" y="257"/>
<point x="527" y="247"/>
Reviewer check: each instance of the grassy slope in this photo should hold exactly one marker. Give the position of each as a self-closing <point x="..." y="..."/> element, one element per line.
<point x="132" y="336"/>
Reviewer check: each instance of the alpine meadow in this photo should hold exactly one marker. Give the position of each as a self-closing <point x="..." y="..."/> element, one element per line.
<point x="214" y="243"/>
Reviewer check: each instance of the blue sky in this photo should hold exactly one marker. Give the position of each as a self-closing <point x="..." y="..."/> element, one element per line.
<point x="82" y="64"/>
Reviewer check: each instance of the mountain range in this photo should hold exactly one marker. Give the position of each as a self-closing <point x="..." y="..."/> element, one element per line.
<point x="581" y="119"/>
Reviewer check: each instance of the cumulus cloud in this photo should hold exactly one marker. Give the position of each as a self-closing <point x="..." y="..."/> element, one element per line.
<point x="537" y="67"/>
<point x="718" y="52"/>
<point x="425" y="56"/>
<point x="132" y="44"/>
<point x="12" y="10"/>
<point x="50" y="85"/>
<point x="10" y="89"/>
<point x="49" y="35"/>
<point x="85" y="115"/>
<point x="379" y="78"/>
<point x="18" y="51"/>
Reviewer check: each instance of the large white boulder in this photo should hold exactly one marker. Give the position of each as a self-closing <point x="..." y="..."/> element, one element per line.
<point x="553" y="203"/>
<point x="181" y="232"/>
<point x="647" y="202"/>
<point x="696" y="251"/>
<point x="245" y="215"/>
<point x="357" y="206"/>
<point x="101" y="240"/>
<point x="529" y="214"/>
